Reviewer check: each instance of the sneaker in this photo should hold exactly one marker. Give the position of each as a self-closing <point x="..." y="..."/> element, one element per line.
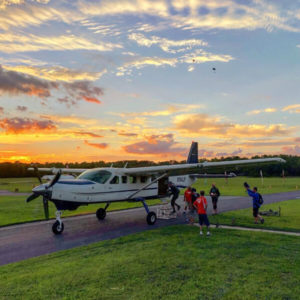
<point x="255" y="222"/>
<point x="201" y="233"/>
<point x="184" y="212"/>
<point x="208" y="233"/>
<point x="262" y="221"/>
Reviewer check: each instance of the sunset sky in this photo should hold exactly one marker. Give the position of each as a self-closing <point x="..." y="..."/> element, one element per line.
<point x="138" y="79"/>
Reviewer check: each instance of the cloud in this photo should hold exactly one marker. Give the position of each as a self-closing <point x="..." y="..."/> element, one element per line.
<point x="294" y="108"/>
<point x="294" y="150"/>
<point x="84" y="90"/>
<point x="16" y="83"/>
<point x="157" y="145"/>
<point x="170" y="109"/>
<point x="204" y="125"/>
<point x="12" y="43"/>
<point x="26" y="125"/>
<point x="5" y="3"/>
<point x="86" y="133"/>
<point x="96" y="145"/>
<point x="166" y="44"/>
<point x="127" y="134"/>
<point x="200" y="56"/>
<point x="139" y="63"/>
<point x="21" y="108"/>
<point x="197" y="57"/>
<point x="259" y="111"/>
<point x="55" y="73"/>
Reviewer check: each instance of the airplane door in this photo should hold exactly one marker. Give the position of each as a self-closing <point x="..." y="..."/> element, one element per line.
<point x="163" y="187"/>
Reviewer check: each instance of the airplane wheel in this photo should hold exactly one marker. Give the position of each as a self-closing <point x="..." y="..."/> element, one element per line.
<point x="57" y="228"/>
<point x="101" y="213"/>
<point x="151" y="218"/>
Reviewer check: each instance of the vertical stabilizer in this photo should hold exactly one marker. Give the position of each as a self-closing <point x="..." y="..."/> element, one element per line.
<point x="193" y="154"/>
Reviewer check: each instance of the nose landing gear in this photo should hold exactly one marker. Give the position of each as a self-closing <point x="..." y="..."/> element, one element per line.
<point x="58" y="226"/>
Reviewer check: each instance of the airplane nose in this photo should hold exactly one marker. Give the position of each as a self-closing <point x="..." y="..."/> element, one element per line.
<point x="39" y="189"/>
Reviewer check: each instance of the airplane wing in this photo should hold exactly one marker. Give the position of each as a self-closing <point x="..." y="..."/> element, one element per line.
<point x="188" y="168"/>
<point x="55" y="170"/>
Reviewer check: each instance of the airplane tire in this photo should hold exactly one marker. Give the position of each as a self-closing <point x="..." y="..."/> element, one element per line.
<point x="151" y="218"/>
<point x="101" y="213"/>
<point x="57" y="229"/>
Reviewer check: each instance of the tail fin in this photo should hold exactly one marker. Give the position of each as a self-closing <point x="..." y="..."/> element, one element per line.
<point x="193" y="154"/>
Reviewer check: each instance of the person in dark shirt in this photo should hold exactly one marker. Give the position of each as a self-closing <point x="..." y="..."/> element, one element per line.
<point x="255" y="203"/>
<point x="174" y="191"/>
<point x="214" y="194"/>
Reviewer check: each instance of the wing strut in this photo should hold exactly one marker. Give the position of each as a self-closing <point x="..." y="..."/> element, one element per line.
<point x="145" y="186"/>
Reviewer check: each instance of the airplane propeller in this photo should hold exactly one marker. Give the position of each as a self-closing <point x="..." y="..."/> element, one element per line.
<point x="45" y="193"/>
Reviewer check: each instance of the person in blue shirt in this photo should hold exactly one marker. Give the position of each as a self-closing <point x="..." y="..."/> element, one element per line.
<point x="255" y="203"/>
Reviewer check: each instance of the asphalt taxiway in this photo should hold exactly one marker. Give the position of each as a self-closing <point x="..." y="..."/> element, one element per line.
<point x="19" y="242"/>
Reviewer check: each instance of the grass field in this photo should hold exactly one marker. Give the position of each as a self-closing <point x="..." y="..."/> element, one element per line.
<point x="14" y="209"/>
<point x="289" y="219"/>
<point x="234" y="187"/>
<point x="168" y="263"/>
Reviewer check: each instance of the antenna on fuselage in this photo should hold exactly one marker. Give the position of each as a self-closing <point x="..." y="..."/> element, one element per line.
<point x="111" y="165"/>
<point x="125" y="166"/>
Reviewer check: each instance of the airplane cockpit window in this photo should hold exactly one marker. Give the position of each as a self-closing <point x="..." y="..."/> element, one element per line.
<point x="95" y="175"/>
<point x="115" y="180"/>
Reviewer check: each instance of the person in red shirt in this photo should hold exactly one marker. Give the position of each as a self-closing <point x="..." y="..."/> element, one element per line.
<point x="201" y="205"/>
<point x="188" y="199"/>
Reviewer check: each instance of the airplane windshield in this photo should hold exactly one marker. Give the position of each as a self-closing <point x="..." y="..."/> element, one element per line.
<point x="96" y="176"/>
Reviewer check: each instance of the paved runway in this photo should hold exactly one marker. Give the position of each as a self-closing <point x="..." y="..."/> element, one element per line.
<point x="23" y="241"/>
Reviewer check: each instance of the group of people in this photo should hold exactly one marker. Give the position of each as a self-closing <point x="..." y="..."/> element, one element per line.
<point x="195" y="201"/>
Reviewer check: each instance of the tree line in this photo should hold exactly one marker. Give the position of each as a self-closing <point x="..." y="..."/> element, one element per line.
<point x="290" y="168"/>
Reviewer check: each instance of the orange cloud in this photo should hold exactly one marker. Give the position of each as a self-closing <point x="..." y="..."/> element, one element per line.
<point x="204" y="125"/>
<point x="91" y="99"/>
<point x="156" y="144"/>
<point x="96" y="145"/>
<point x="295" y="108"/>
<point x="26" y="125"/>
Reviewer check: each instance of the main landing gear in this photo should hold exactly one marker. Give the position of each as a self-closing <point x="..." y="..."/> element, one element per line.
<point x="151" y="215"/>
<point x="101" y="212"/>
<point x="58" y="226"/>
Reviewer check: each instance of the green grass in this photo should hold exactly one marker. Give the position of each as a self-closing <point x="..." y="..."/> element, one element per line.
<point x="168" y="263"/>
<point x="234" y="187"/>
<point x="288" y="221"/>
<point x="23" y="185"/>
<point x="14" y="209"/>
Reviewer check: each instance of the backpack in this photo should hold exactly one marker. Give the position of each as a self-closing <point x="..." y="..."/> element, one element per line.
<point x="260" y="199"/>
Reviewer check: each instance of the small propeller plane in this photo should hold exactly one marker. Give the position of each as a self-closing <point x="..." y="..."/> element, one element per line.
<point x="108" y="185"/>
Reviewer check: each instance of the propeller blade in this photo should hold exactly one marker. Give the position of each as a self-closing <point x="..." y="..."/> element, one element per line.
<point x="37" y="173"/>
<point x="55" y="179"/>
<point x="46" y="207"/>
<point x="32" y="197"/>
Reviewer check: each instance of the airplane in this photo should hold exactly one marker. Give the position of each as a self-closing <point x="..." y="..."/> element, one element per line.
<point x="108" y="185"/>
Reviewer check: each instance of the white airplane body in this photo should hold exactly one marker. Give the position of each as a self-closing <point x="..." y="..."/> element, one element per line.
<point x="108" y="185"/>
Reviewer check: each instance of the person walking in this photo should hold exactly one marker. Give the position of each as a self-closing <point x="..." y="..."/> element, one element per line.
<point x="188" y="199"/>
<point x="256" y="203"/>
<point x="201" y="205"/>
<point x="214" y="194"/>
<point x="174" y="191"/>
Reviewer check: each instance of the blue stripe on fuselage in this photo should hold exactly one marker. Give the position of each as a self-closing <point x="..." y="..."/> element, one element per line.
<point x="76" y="182"/>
